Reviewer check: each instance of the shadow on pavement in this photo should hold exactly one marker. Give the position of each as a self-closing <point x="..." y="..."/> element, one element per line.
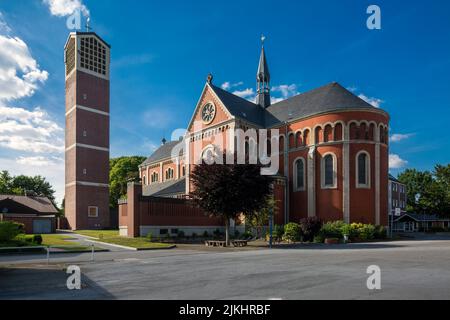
<point x="46" y="284"/>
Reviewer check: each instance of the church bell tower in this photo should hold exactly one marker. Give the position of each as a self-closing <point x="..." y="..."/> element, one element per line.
<point x="87" y="61"/>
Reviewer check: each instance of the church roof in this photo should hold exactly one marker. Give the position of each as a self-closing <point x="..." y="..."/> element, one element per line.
<point x="166" y="189"/>
<point x="163" y="152"/>
<point x="240" y="107"/>
<point x="331" y="97"/>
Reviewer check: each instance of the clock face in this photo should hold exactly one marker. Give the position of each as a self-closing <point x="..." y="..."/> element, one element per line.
<point x="208" y="113"/>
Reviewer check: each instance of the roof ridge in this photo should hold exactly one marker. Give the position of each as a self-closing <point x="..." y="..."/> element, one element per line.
<point x="232" y="94"/>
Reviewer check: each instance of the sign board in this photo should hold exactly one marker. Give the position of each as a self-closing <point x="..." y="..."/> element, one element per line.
<point x="398" y="212"/>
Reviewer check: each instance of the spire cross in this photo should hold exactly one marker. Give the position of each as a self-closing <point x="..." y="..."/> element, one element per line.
<point x="88" y="28"/>
<point x="263" y="38"/>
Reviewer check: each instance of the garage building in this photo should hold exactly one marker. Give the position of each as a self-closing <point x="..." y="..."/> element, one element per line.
<point x="38" y="214"/>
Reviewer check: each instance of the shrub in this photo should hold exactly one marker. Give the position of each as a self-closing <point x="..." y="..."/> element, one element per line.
<point x="367" y="232"/>
<point x="292" y="232"/>
<point x="9" y="230"/>
<point x="319" y="239"/>
<point x="205" y="234"/>
<point x="194" y="235"/>
<point x="37" y="239"/>
<point x="310" y="227"/>
<point x="217" y="234"/>
<point x="247" y="235"/>
<point x="236" y="234"/>
<point x="150" y="236"/>
<point x="278" y="232"/>
<point x="380" y="232"/>
<point x="332" y="230"/>
<point x="180" y="234"/>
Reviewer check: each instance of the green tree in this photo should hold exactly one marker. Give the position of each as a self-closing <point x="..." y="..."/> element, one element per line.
<point x="5" y="182"/>
<point x="122" y="170"/>
<point x="229" y="190"/>
<point x="21" y="185"/>
<point x="260" y="219"/>
<point x="433" y="189"/>
<point x="36" y="185"/>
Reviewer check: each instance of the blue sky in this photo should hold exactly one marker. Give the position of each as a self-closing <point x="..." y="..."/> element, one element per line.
<point x="162" y="52"/>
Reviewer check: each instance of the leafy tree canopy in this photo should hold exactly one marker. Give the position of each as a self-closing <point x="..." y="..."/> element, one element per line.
<point x="428" y="192"/>
<point x="21" y="185"/>
<point x="122" y="170"/>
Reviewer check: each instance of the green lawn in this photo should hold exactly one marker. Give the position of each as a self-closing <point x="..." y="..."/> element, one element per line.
<point x="62" y="242"/>
<point x="99" y="233"/>
<point x="138" y="243"/>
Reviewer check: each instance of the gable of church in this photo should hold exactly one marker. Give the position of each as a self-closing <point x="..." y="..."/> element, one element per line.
<point x="221" y="112"/>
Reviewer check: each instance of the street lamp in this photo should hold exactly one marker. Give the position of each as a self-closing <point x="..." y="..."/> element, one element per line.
<point x="272" y="188"/>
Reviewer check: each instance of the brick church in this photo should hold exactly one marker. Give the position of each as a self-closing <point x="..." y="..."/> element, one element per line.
<point x="331" y="149"/>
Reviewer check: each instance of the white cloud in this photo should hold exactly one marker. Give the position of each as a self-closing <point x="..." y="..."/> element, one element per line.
<point x="29" y="131"/>
<point x="63" y="8"/>
<point x="39" y="161"/>
<point x="397" y="137"/>
<point x="228" y="85"/>
<point x="4" y="28"/>
<point x="246" y="93"/>
<point x="19" y="72"/>
<point x="395" y="162"/>
<point x="286" y="90"/>
<point x="31" y="136"/>
<point x="370" y="100"/>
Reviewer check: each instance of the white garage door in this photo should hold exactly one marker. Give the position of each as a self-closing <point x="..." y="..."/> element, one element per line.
<point x="42" y="226"/>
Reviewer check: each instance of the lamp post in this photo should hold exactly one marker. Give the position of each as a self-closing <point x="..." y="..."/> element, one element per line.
<point x="272" y="188"/>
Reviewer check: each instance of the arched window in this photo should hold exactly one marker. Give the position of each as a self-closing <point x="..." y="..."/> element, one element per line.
<point x="144" y="180"/>
<point x="169" y="174"/>
<point x="184" y="171"/>
<point x="362" y="170"/>
<point x="154" y="177"/>
<point x="299" y="175"/>
<point x="298" y="139"/>
<point x="281" y="144"/>
<point x="329" y="171"/>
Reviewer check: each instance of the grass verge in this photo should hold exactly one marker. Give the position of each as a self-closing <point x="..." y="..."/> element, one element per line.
<point x="99" y="234"/>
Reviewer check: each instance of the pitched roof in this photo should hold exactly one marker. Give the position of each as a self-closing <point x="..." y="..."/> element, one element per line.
<point x="39" y="204"/>
<point x="331" y="97"/>
<point x="163" y="152"/>
<point x="240" y="107"/>
<point x="167" y="188"/>
<point x="422" y="217"/>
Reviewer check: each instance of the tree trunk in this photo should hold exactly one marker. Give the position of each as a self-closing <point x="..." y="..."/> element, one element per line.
<point x="227" y="232"/>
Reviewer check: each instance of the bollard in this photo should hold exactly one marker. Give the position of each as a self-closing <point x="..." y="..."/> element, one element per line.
<point x="92" y="254"/>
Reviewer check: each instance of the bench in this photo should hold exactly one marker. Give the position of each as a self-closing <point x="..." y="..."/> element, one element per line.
<point x="217" y="243"/>
<point x="239" y="243"/>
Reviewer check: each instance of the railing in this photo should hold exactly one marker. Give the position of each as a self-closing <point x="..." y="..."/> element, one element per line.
<point x="47" y="250"/>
